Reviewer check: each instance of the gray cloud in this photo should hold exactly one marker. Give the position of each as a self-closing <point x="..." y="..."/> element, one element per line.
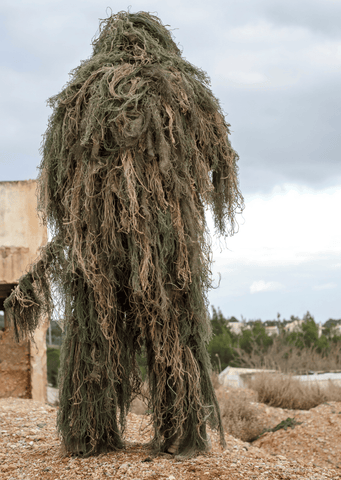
<point x="290" y="137"/>
<point x="321" y="16"/>
<point x="298" y="294"/>
<point x="275" y="75"/>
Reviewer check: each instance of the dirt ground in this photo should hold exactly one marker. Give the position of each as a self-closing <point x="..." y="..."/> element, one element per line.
<point x="30" y="448"/>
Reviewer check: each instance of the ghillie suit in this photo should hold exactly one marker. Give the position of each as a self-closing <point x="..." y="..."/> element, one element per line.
<point x="135" y="147"/>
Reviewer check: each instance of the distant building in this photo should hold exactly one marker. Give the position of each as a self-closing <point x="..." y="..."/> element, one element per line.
<point x="294" y="326"/>
<point x="273" y="330"/>
<point x="237" y="327"/>
<point x="320" y="329"/>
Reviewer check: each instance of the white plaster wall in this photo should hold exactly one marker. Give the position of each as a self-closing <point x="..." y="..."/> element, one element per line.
<point x="20" y="226"/>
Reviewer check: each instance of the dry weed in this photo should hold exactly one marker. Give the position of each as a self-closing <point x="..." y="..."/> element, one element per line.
<point x="239" y="416"/>
<point x="333" y="392"/>
<point x="284" y="391"/>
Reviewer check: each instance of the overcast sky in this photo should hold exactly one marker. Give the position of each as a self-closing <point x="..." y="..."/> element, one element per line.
<point x="275" y="67"/>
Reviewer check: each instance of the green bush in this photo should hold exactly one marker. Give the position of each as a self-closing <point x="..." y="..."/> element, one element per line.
<point x="221" y="346"/>
<point x="52" y="366"/>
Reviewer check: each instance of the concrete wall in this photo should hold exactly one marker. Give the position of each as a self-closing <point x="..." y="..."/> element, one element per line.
<point x="239" y="377"/>
<point x="21" y="234"/>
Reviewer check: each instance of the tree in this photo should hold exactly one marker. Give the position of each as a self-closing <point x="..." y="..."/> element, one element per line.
<point x="257" y="335"/>
<point x="218" y="322"/>
<point x="331" y="323"/>
<point x="309" y="330"/>
<point x="308" y="337"/>
<point x="221" y="351"/>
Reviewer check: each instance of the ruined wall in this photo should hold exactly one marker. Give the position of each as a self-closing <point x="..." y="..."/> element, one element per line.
<point x="23" y="366"/>
<point x="15" y="371"/>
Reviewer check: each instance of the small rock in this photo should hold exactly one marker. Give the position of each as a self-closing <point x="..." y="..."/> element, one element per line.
<point x="281" y="457"/>
<point x="124" y="467"/>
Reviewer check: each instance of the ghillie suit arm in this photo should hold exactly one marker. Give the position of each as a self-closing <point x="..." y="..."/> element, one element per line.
<point x="136" y="146"/>
<point x="30" y="301"/>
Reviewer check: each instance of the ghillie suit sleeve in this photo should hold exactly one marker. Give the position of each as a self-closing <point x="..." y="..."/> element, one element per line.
<point x="31" y="299"/>
<point x="136" y="147"/>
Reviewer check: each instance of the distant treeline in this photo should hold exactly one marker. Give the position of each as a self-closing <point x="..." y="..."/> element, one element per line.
<point x="224" y="343"/>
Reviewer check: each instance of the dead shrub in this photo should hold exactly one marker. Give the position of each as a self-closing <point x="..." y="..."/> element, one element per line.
<point x="240" y="418"/>
<point x="284" y="391"/>
<point x="333" y="392"/>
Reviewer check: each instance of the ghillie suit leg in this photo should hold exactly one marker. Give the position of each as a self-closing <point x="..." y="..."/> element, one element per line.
<point x="176" y="331"/>
<point x="95" y="390"/>
<point x="98" y="376"/>
<point x="135" y="148"/>
<point x="182" y="396"/>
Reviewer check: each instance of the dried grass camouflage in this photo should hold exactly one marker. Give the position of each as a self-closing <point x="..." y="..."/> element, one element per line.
<point x="136" y="147"/>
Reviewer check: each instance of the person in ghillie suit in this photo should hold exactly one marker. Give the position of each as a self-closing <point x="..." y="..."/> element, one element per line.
<point x="136" y="147"/>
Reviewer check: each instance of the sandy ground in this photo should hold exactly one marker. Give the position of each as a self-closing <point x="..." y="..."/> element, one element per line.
<point x="30" y="448"/>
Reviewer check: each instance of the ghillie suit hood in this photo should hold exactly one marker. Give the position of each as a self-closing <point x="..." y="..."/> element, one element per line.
<point x="136" y="147"/>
